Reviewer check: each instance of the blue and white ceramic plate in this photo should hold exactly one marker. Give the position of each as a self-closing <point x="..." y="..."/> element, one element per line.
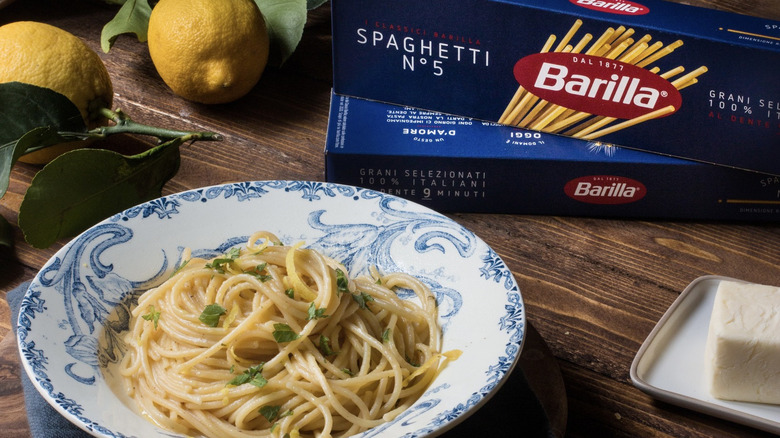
<point x="74" y="313"/>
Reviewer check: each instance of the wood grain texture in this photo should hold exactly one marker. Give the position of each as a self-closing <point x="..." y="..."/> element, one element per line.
<point x="594" y="288"/>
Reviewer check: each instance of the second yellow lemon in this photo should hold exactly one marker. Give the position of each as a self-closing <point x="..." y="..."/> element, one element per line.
<point x="208" y="51"/>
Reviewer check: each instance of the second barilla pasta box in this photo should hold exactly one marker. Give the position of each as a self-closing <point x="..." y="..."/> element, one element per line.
<point x="651" y="75"/>
<point x="456" y="164"/>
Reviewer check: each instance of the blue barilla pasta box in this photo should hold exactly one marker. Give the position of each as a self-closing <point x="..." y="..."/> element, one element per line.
<point x="457" y="164"/>
<point x="649" y="75"/>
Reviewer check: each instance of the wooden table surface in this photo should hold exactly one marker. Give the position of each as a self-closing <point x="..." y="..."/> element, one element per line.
<point x="593" y="288"/>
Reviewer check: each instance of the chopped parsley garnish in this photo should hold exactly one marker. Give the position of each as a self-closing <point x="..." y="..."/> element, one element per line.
<point x="315" y="313"/>
<point x="362" y="299"/>
<point x="257" y="272"/>
<point x="251" y="375"/>
<point x="347" y="371"/>
<point x="342" y="284"/>
<point x="210" y="315"/>
<point x="153" y="316"/>
<point x="283" y="333"/>
<point x="290" y="292"/>
<point x="325" y="347"/>
<point x="180" y="267"/>
<point x="271" y="413"/>
<point x="386" y="335"/>
<point x="219" y="264"/>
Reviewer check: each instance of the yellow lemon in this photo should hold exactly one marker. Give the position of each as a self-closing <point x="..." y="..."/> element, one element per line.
<point x="208" y="51"/>
<point x="46" y="56"/>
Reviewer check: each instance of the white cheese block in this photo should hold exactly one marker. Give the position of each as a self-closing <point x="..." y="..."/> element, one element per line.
<point x="743" y="344"/>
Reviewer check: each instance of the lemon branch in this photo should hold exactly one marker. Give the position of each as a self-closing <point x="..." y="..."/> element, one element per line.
<point x="123" y="124"/>
<point x="79" y="188"/>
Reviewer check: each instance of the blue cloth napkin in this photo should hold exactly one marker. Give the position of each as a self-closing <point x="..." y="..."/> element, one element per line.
<point x="514" y="407"/>
<point x="44" y="420"/>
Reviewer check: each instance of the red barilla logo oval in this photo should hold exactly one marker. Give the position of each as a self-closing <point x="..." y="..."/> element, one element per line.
<point x="613" y="7"/>
<point x="605" y="189"/>
<point x="595" y="85"/>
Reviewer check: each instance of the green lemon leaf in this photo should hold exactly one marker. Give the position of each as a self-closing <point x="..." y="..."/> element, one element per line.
<point x="6" y="233"/>
<point x="314" y="4"/>
<point x="82" y="187"/>
<point x="40" y="138"/>
<point x="133" y="17"/>
<point x="24" y="107"/>
<point x="33" y="140"/>
<point x="285" y="20"/>
<point x="30" y="118"/>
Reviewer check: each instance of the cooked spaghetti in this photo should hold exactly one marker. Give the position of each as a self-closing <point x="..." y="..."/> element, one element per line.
<point x="526" y="110"/>
<point x="275" y="340"/>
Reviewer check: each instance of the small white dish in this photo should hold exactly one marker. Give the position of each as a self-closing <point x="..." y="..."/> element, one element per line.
<point x="670" y="363"/>
<point x="71" y="318"/>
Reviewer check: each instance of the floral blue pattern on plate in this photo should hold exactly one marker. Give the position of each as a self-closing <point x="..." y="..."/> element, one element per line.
<point x="73" y="315"/>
